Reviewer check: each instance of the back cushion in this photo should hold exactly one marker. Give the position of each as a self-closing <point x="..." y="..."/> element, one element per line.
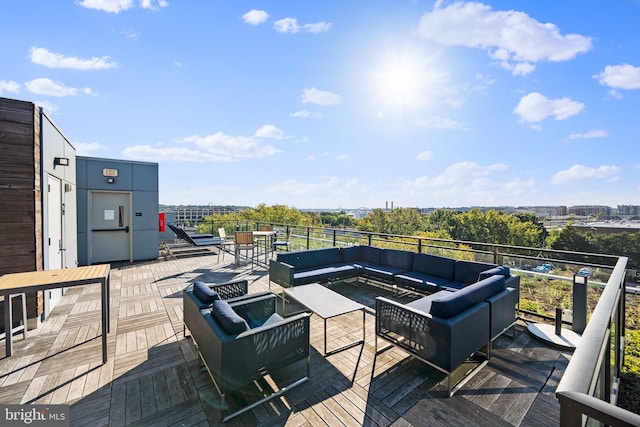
<point x="302" y="260"/>
<point x="456" y="302"/>
<point x="397" y="259"/>
<point x="230" y="321"/>
<point x="435" y="265"/>
<point x="371" y="254"/>
<point x="500" y="270"/>
<point x="468" y="271"/>
<point x="351" y="253"/>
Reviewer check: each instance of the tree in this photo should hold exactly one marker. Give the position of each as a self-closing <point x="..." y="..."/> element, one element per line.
<point x="374" y="222"/>
<point x="404" y="221"/>
<point x="440" y="220"/>
<point x="568" y="239"/>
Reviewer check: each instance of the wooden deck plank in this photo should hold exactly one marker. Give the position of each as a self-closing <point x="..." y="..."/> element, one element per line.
<point x="153" y="375"/>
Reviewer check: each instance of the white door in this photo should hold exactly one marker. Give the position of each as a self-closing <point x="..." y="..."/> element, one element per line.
<point x="110" y="227"/>
<point x="54" y="240"/>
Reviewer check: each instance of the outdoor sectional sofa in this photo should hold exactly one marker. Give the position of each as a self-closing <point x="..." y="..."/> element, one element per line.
<point x="424" y="273"/>
<point x="466" y="304"/>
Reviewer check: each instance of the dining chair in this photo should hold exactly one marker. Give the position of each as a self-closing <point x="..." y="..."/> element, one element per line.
<point x="244" y="242"/>
<point x="225" y="242"/>
<point x="280" y="242"/>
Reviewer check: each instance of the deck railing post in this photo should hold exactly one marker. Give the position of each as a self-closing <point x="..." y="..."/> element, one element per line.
<point x="308" y="236"/>
<point x="334" y="237"/>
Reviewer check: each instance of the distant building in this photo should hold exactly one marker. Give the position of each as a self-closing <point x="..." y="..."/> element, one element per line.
<point x="196" y="214"/>
<point x="628" y="210"/>
<point x="590" y="210"/>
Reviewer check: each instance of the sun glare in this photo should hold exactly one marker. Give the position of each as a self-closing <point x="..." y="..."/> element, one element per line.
<point x="399" y="82"/>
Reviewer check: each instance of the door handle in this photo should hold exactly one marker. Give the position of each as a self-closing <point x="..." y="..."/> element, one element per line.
<point x="126" y="229"/>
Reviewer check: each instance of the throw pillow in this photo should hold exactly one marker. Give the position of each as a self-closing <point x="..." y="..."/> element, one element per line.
<point x="230" y="321"/>
<point x="205" y="293"/>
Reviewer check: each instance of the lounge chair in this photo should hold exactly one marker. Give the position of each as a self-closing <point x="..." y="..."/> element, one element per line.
<point x="195" y="239"/>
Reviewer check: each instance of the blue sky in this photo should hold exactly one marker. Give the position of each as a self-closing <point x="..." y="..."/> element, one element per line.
<point x="343" y="103"/>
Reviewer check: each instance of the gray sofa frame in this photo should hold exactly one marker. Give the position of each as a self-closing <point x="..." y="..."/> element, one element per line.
<point x="236" y="360"/>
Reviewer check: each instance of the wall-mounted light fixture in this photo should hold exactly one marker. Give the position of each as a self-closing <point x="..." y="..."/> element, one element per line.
<point x="111" y="174"/>
<point x="60" y="161"/>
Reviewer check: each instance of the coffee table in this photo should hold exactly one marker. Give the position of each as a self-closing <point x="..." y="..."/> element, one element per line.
<point x="327" y="304"/>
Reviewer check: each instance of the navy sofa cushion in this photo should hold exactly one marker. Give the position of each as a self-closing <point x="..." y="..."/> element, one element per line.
<point x="501" y="270"/>
<point x="434" y="265"/>
<point x="468" y="272"/>
<point x="351" y="253"/>
<point x="205" y="293"/>
<point x="401" y="260"/>
<point x="420" y="281"/>
<point x="369" y="257"/>
<point x="319" y="257"/>
<point x="324" y="274"/>
<point x="230" y="321"/>
<point x="448" y="305"/>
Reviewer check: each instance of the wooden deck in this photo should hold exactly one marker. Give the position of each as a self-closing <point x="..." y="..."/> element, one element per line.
<point x="154" y="376"/>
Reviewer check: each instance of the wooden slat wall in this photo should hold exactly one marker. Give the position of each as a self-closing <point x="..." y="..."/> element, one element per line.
<point x="20" y="192"/>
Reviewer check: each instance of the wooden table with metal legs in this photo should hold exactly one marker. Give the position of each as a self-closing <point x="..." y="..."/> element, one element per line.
<point x="31" y="281"/>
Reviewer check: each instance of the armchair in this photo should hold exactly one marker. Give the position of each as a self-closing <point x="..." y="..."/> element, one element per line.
<point x="240" y="341"/>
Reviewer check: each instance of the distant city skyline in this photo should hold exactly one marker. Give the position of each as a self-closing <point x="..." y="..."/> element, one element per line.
<point x="343" y="104"/>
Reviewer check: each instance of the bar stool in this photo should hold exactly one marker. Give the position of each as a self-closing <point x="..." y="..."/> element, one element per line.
<point x="23" y="326"/>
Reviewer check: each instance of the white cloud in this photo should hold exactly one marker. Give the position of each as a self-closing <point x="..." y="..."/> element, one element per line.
<point x="217" y="147"/>
<point x="320" y="97"/>
<point x="424" y="156"/>
<point x="535" y="107"/>
<point x="304" y="114"/>
<point x="468" y="181"/>
<point x="43" y="86"/>
<point x="111" y="6"/>
<point x="589" y="135"/>
<point x="318" y="27"/>
<point x="117" y="6"/>
<point x="153" y="4"/>
<point x="255" y="17"/>
<point x="47" y="106"/>
<point x="580" y="172"/>
<point x="269" y="131"/>
<point x="513" y="38"/>
<point x="291" y="26"/>
<point x="132" y="34"/>
<point x="180" y="154"/>
<point x="623" y="76"/>
<point x="9" y="86"/>
<point x="88" y="148"/>
<point x="439" y="123"/>
<point x="42" y="56"/>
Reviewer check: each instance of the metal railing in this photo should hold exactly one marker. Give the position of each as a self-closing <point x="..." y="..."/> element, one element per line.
<point x="588" y="389"/>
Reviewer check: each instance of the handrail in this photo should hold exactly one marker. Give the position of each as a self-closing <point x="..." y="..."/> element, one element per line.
<point x="590" y="370"/>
